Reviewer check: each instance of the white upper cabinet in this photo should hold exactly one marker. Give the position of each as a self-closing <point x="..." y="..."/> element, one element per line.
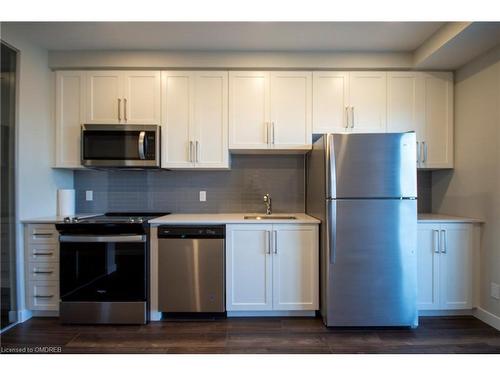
<point x="194" y="120"/>
<point x="270" y="110"/>
<point x="210" y="120"/>
<point x="437" y="147"/>
<point x="291" y="110"/>
<point x="70" y="105"/>
<point x="367" y="100"/>
<point x="123" y="97"/>
<point x="141" y="97"/>
<point x="177" y="130"/>
<point x="330" y="102"/>
<point x="248" y="110"/>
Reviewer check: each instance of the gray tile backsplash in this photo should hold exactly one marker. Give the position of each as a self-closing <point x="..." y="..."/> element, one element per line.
<point x="238" y="190"/>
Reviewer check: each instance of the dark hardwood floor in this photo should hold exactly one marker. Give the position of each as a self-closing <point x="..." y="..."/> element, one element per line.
<point x="256" y="335"/>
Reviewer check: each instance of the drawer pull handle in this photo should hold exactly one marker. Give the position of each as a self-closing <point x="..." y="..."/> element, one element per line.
<point x="43" y="296"/>
<point x="43" y="234"/>
<point x="43" y="272"/>
<point x="43" y="253"/>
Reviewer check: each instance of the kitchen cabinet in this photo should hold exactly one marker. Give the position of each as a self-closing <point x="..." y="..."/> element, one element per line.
<point x="270" y="110"/>
<point x="70" y="115"/>
<point x="445" y="266"/>
<point x="194" y="120"/>
<point x="272" y="267"/>
<point x="349" y="102"/>
<point x="423" y="102"/>
<point x="123" y="97"/>
<point x="42" y="267"/>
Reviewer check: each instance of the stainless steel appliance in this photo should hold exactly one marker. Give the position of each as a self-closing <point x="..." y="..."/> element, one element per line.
<point x="191" y="269"/>
<point x="363" y="189"/>
<point x="122" y="146"/>
<point x="104" y="268"/>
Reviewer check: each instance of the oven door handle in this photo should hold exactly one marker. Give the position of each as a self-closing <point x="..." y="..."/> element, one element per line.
<point x="131" y="238"/>
<point x="141" y="145"/>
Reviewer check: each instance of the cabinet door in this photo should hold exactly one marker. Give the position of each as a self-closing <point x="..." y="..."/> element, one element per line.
<point x="104" y="103"/>
<point x="70" y="107"/>
<point x="248" y="267"/>
<point x="177" y="119"/>
<point x="248" y="110"/>
<point x="291" y="110"/>
<point x="456" y="266"/>
<point x="367" y="98"/>
<point x="330" y="102"/>
<point x="438" y="96"/>
<point x="210" y="120"/>
<point x="428" y="267"/>
<point x="295" y="267"/>
<point x="141" y="97"/>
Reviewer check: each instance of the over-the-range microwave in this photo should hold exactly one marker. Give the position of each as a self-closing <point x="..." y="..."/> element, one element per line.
<point x="120" y="146"/>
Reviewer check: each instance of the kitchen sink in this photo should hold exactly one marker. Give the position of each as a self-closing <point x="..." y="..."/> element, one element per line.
<point x="269" y="217"/>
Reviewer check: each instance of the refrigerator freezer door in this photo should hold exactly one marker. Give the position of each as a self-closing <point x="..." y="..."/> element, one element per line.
<point x="371" y="277"/>
<point x="371" y="165"/>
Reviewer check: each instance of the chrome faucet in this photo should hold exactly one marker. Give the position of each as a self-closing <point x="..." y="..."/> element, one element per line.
<point x="269" y="205"/>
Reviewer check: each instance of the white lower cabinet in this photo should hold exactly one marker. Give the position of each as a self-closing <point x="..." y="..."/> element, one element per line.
<point x="42" y="267"/>
<point x="272" y="267"/>
<point x="445" y="266"/>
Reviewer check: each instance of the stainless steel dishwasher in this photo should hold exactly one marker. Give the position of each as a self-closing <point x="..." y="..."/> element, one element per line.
<point x="191" y="269"/>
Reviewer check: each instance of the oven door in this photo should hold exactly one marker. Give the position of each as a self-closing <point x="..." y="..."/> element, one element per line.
<point x="121" y="146"/>
<point x="103" y="268"/>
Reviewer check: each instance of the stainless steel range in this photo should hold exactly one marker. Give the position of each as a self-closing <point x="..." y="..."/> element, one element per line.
<point x="104" y="268"/>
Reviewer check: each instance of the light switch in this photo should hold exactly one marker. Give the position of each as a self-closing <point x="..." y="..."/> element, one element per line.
<point x="89" y="195"/>
<point x="203" y="196"/>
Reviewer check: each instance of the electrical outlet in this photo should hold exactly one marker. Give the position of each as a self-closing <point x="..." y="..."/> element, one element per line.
<point x="495" y="290"/>
<point x="89" y="195"/>
<point x="203" y="196"/>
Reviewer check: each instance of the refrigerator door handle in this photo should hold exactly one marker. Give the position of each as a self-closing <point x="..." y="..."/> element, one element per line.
<point x="331" y="234"/>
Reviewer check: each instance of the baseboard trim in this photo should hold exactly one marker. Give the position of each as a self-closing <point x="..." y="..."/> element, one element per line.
<point x="46" y="313"/>
<point x="235" y="314"/>
<point x="468" y="312"/>
<point x="487" y="317"/>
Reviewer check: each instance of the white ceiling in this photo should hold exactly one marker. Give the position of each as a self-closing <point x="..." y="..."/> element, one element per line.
<point x="228" y="36"/>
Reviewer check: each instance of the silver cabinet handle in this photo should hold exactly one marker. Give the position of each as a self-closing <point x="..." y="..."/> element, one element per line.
<point x="418" y="152"/>
<point x="190" y="151"/>
<point x="275" y="242"/>
<point x="268" y="242"/>
<point x="43" y="253"/>
<point x="43" y="272"/>
<point x="435" y="240"/>
<point x="346" y="116"/>
<point x="272" y="129"/>
<point x="267" y="132"/>
<point x="443" y="241"/>
<point x="352" y="117"/>
<point x="141" y="145"/>
<point x="424" y="152"/>
<point x="119" y="109"/>
<point x="197" y="151"/>
<point x="43" y="296"/>
<point x="125" y="109"/>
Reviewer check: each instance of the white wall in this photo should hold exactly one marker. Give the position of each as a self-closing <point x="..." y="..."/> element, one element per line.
<point x="37" y="182"/>
<point x="473" y="187"/>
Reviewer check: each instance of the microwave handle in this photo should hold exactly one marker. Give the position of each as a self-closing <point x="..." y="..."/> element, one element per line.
<point x="142" y="145"/>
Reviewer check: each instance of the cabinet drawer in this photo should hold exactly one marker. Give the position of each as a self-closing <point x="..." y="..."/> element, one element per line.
<point x="42" y="233"/>
<point x="43" y="295"/>
<point x="43" y="253"/>
<point x="43" y="271"/>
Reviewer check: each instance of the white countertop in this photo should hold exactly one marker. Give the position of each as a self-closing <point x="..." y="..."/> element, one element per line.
<point x="441" y="218"/>
<point x="301" y="218"/>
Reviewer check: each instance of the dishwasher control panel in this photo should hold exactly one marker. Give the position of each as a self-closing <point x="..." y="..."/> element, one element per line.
<point x="179" y="231"/>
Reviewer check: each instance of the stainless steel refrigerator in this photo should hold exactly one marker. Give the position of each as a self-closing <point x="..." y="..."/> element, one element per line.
<point x="363" y="189"/>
